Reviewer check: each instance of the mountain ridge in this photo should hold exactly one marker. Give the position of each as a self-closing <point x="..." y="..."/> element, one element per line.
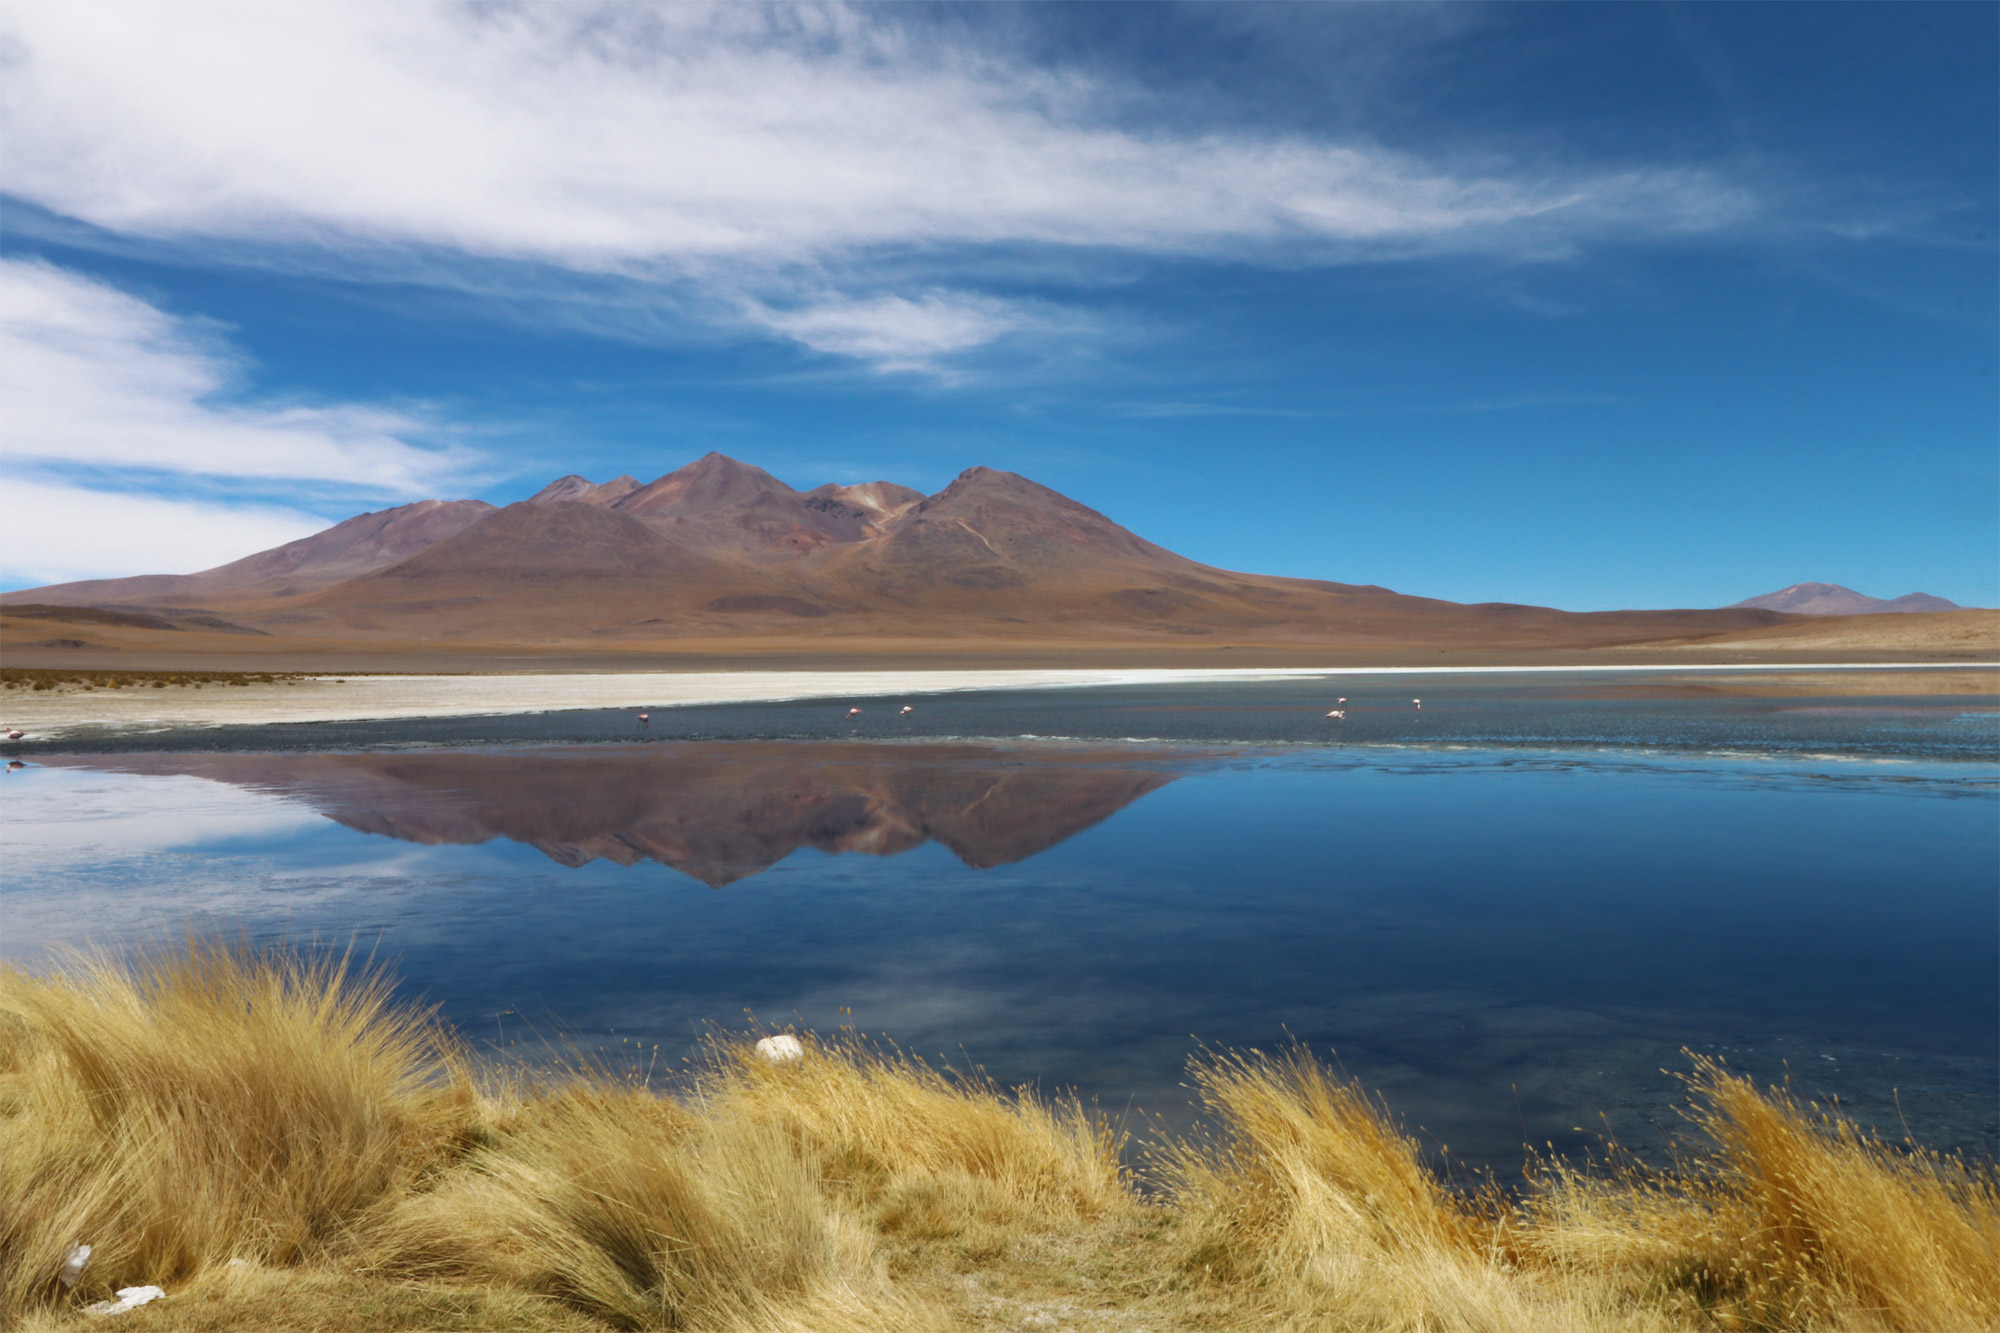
<point x="721" y="550"/>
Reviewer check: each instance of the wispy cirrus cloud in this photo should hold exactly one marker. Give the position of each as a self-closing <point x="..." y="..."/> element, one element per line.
<point x="130" y="446"/>
<point x="1170" y="409"/>
<point x="746" y="151"/>
<point x="96" y="378"/>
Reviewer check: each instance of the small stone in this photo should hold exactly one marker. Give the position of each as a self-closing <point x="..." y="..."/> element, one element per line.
<point x="781" y="1048"/>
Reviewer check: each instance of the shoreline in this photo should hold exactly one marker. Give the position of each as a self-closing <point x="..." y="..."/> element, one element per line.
<point x="369" y="698"/>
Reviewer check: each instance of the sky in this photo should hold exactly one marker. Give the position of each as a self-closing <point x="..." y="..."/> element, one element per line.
<point x="1588" y="306"/>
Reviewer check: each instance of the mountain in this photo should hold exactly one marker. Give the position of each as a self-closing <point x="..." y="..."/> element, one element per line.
<point x="360" y="545"/>
<point x="722" y="556"/>
<point x="1830" y="599"/>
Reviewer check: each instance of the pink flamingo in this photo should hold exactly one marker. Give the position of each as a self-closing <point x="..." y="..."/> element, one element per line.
<point x="15" y="733"/>
<point x="853" y="713"/>
<point x="1419" y="703"/>
<point x="645" y="719"/>
<point x="906" y="710"/>
<point x="1338" y="712"/>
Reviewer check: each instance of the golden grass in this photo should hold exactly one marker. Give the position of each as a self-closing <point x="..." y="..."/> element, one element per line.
<point x="878" y="1124"/>
<point x="278" y="1144"/>
<point x="1796" y="1219"/>
<point x="218" y="1104"/>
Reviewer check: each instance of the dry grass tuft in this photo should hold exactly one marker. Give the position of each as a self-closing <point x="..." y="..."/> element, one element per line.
<point x="1796" y="1219"/>
<point x="216" y="1104"/>
<point x="634" y="1209"/>
<point x="1312" y="1172"/>
<point x="924" y="1146"/>
<point x="1314" y="1207"/>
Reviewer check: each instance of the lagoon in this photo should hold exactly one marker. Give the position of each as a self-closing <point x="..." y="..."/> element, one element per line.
<point x="1509" y="913"/>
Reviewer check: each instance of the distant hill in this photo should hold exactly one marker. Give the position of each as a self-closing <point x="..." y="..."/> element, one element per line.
<point x="1830" y="599"/>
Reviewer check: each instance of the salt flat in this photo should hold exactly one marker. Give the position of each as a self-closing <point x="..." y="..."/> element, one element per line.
<point x="360" y="698"/>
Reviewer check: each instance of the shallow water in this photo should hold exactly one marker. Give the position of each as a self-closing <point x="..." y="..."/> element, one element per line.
<point x="1508" y="913"/>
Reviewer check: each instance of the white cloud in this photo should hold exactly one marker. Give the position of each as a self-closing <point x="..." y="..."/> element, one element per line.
<point x="118" y="423"/>
<point x="730" y="145"/>
<point x="91" y="376"/>
<point x="896" y="332"/>
<point x="57" y="532"/>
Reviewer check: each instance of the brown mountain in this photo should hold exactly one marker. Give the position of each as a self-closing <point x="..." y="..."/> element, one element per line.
<point x="723" y="554"/>
<point x="714" y="811"/>
<point x="1830" y="599"/>
<point x="360" y="545"/>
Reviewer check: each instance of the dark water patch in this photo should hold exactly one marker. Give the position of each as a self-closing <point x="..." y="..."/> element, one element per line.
<point x="1584" y="710"/>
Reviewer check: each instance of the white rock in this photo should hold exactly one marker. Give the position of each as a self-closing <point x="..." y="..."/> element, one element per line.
<point x="129" y="1298"/>
<point x="780" y="1048"/>
<point x="72" y="1268"/>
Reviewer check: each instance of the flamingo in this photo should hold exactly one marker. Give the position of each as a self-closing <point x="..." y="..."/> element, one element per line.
<point x="15" y="733"/>
<point x="1419" y="703"/>
<point x="645" y="719"/>
<point x="853" y="713"/>
<point x="1338" y="712"/>
<point x="1342" y="700"/>
<point x="906" y="710"/>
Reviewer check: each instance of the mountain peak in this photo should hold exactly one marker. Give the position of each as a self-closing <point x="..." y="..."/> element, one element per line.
<point x="877" y="502"/>
<point x="581" y="490"/>
<point x="712" y="478"/>
<point x="716" y="466"/>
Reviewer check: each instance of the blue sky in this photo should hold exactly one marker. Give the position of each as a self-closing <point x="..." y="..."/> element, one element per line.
<point x="1583" y="305"/>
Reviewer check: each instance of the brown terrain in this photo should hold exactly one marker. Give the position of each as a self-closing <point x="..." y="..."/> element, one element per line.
<point x="720" y="564"/>
<point x="716" y="812"/>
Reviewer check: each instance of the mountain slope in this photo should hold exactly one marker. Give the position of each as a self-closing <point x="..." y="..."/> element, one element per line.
<point x="1830" y="599"/>
<point x="527" y="571"/>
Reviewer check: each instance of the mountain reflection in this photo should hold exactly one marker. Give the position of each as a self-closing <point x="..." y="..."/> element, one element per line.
<point x="714" y="811"/>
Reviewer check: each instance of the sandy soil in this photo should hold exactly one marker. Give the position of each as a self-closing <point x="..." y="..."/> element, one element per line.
<point x="356" y="698"/>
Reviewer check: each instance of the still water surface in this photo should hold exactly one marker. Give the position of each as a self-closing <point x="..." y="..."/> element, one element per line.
<point x="1509" y="913"/>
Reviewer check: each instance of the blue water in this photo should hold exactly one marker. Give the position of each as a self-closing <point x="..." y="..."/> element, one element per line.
<point x="1509" y="915"/>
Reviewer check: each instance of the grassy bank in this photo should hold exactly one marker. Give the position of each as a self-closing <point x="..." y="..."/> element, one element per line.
<point x="279" y="1145"/>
